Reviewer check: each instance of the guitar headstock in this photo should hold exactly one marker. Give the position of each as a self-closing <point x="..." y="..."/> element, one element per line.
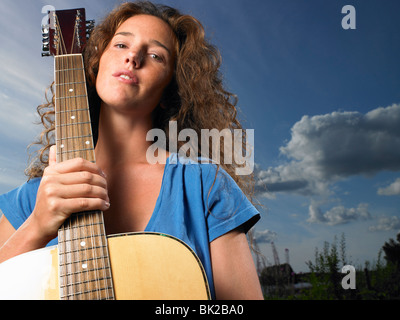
<point x="66" y="32"/>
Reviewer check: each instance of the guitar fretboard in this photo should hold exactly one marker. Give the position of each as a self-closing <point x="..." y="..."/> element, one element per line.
<point x="73" y="127"/>
<point x="84" y="266"/>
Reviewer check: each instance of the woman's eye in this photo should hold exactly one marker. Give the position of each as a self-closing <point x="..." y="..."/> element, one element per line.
<point x="120" y="46"/>
<point x="156" y="57"/>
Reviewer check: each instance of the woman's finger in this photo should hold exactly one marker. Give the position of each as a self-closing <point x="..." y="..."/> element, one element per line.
<point x="75" y="165"/>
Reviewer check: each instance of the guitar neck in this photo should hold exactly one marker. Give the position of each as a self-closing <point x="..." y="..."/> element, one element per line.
<point x="73" y="127"/>
<point x="84" y="265"/>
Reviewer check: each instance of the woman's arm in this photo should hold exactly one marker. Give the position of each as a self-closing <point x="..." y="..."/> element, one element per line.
<point x="13" y="243"/>
<point x="234" y="272"/>
<point x="72" y="186"/>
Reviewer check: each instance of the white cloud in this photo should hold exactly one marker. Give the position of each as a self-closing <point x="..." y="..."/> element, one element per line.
<point x="342" y="144"/>
<point x="338" y="215"/>
<point x="266" y="236"/>
<point x="391" y="190"/>
<point x="326" y="148"/>
<point x="387" y="224"/>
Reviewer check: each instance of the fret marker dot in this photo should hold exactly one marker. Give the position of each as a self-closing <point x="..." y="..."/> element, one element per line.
<point x="71" y="90"/>
<point x="62" y="146"/>
<point x="87" y="142"/>
<point x="84" y="266"/>
<point x="83" y="243"/>
<point x="73" y="117"/>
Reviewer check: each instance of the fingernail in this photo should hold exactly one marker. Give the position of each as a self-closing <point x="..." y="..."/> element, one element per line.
<point x="103" y="174"/>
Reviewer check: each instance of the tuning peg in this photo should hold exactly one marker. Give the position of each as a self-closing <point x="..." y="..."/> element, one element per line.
<point x="90" y="22"/>
<point x="45" y="47"/>
<point x="90" y="26"/>
<point x="45" y="40"/>
<point x="45" y="31"/>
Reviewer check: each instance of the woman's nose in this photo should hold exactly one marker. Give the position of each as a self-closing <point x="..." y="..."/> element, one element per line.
<point x="134" y="58"/>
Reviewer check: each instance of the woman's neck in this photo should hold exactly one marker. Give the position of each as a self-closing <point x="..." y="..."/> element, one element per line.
<point x="122" y="138"/>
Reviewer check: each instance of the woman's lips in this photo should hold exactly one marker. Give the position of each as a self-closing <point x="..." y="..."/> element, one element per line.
<point x="127" y="77"/>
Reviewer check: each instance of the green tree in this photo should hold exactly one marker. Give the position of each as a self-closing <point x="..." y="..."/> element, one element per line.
<point x="326" y="273"/>
<point x="392" y="252"/>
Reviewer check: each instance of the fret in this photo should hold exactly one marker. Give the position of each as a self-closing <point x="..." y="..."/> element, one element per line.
<point x="71" y="124"/>
<point x="68" y="83"/>
<point x="70" y="156"/>
<point x="77" y="263"/>
<point x="76" y="294"/>
<point x="103" y="292"/>
<point x="85" y="256"/>
<point x="87" y="248"/>
<point x="86" y="260"/>
<point x="79" y="96"/>
<point x="86" y="282"/>
<point x="73" y="252"/>
<point x="93" y="288"/>
<point x="87" y="291"/>
<point x="73" y="151"/>
<point x="92" y="243"/>
<point x="73" y="117"/>
<point x="70" y="69"/>
<point x="69" y="90"/>
<point x="91" y="224"/>
<point x="73" y="110"/>
<point x="94" y="238"/>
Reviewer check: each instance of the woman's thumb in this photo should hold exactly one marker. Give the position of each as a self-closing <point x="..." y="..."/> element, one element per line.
<point x="52" y="155"/>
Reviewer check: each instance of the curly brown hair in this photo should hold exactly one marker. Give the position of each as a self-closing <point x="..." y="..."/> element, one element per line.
<point x="195" y="98"/>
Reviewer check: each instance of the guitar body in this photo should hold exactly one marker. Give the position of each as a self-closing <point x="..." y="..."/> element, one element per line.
<point x="144" y="266"/>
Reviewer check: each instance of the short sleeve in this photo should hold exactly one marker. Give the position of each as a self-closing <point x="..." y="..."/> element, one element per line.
<point x="228" y="206"/>
<point x="18" y="204"/>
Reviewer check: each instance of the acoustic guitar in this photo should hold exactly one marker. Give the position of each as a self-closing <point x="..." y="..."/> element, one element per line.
<point x="87" y="264"/>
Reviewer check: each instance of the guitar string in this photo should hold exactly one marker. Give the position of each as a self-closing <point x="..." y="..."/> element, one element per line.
<point x="61" y="48"/>
<point x="70" y="281"/>
<point x="107" y="262"/>
<point x="64" y="229"/>
<point x="73" y="36"/>
<point x="76" y="131"/>
<point x="97" y="283"/>
<point x="84" y="217"/>
<point x="90" y="216"/>
<point x="82" y="272"/>
<point x="97" y="242"/>
<point x="71" y="265"/>
<point x="85" y="254"/>
<point x="66" y="224"/>
<point x="72" y="218"/>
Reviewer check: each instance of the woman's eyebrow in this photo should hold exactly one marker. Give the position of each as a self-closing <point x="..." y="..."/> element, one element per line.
<point x="152" y="41"/>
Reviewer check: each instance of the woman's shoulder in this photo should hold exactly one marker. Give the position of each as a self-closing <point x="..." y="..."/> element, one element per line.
<point x="28" y="188"/>
<point x="18" y="203"/>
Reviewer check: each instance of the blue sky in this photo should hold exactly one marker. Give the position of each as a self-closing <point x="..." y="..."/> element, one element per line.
<point x="324" y="103"/>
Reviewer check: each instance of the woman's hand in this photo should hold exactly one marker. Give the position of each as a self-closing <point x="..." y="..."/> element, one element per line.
<point x="68" y="187"/>
<point x="71" y="186"/>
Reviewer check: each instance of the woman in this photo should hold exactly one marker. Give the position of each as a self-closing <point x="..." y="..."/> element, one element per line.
<point x="146" y="65"/>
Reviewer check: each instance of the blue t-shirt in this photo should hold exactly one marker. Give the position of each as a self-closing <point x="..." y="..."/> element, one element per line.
<point x="193" y="205"/>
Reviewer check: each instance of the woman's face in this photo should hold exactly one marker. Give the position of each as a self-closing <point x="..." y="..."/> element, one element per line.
<point x="137" y="65"/>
